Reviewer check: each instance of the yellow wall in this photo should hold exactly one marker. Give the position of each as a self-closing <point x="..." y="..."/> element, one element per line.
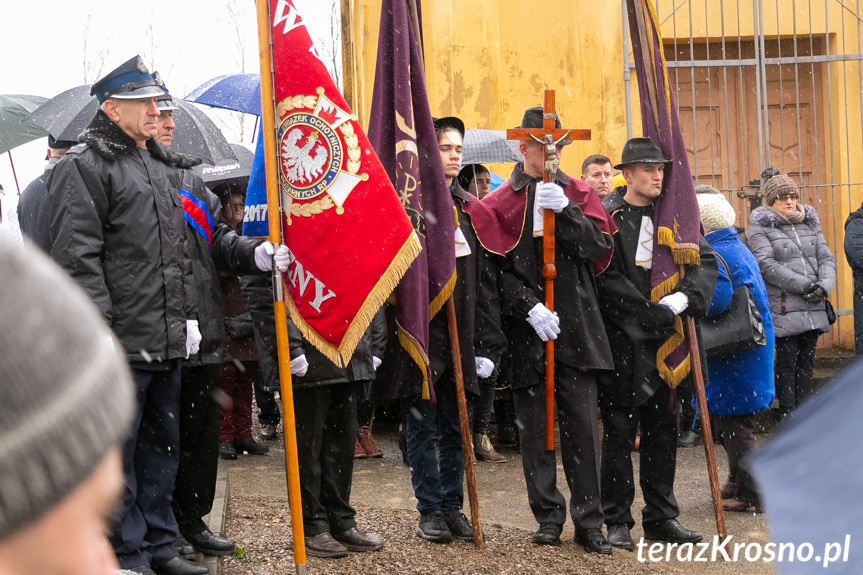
<point x="488" y="60"/>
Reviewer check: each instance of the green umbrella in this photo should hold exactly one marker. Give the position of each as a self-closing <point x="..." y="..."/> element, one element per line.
<point x="14" y="131"/>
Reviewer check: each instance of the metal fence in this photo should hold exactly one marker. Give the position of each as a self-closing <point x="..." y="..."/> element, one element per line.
<point x="769" y="83"/>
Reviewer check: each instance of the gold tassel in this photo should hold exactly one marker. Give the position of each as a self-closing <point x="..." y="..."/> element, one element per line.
<point x="437" y="303"/>
<point x="665" y="288"/>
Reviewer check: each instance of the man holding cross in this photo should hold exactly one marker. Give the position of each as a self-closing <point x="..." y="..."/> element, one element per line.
<point x="584" y="243"/>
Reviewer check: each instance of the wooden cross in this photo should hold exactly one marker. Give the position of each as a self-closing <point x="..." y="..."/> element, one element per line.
<point x="549" y="136"/>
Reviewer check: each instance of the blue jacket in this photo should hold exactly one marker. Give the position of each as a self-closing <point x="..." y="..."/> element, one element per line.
<point x="741" y="383"/>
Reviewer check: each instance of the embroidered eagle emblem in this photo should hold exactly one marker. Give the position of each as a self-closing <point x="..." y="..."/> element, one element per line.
<point x="304" y="163"/>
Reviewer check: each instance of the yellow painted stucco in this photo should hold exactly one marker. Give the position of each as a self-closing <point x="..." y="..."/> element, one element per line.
<point x="488" y="60"/>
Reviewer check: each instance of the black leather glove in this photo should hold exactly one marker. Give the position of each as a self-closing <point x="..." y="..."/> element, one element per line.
<point x="815" y="294"/>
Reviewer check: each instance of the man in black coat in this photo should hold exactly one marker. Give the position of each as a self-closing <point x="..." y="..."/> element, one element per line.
<point x="211" y="245"/>
<point x="325" y="409"/>
<point x="33" y="205"/>
<point x="583" y="246"/>
<point x="117" y="228"/>
<point x="635" y="392"/>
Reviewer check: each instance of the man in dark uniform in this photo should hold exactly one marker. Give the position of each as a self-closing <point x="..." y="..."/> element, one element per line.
<point x="33" y="205"/>
<point x="211" y="244"/>
<point x="117" y="228"/>
<point x="635" y="392"/>
<point x="583" y="246"/>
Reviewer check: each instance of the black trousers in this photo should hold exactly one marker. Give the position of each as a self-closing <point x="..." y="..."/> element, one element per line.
<point x="737" y="434"/>
<point x="657" y="458"/>
<point x="146" y="529"/>
<point x="326" y="420"/>
<point x="795" y="363"/>
<point x="195" y="488"/>
<point x="575" y="394"/>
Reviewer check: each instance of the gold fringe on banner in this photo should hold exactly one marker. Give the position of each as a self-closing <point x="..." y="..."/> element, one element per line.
<point x="416" y="352"/>
<point x="389" y="280"/>
<point x="673" y="377"/>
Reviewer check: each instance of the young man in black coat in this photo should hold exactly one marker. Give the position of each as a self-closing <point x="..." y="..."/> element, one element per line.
<point x="635" y="392"/>
<point x="583" y="246"/>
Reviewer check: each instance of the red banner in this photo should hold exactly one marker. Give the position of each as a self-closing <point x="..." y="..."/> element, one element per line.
<point x="343" y="220"/>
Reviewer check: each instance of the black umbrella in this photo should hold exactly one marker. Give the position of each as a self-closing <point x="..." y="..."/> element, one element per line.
<point x="66" y="115"/>
<point x="810" y="474"/>
<point x="227" y="169"/>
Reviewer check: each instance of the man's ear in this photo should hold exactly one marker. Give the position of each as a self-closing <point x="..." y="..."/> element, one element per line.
<point x="112" y="110"/>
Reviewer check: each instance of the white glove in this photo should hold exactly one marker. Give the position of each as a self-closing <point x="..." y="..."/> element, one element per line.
<point x="299" y="365"/>
<point x="264" y="256"/>
<point x="376" y="362"/>
<point x="193" y="337"/>
<point x="111" y="343"/>
<point x="484" y="366"/>
<point x="677" y="302"/>
<point x="550" y="196"/>
<point x="283" y="258"/>
<point x="544" y="322"/>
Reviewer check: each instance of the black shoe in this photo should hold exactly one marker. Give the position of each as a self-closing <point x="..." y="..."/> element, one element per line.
<point x="689" y="439"/>
<point x="459" y="525"/>
<point x="433" y="527"/>
<point x="507" y="433"/>
<point x="548" y="534"/>
<point x="670" y="530"/>
<point x="250" y="446"/>
<point x="227" y="451"/>
<point x="323" y="545"/>
<point x="142" y="569"/>
<point x="618" y="536"/>
<point x="593" y="541"/>
<point x="184" y="548"/>
<point x="209" y="543"/>
<point x="355" y="540"/>
<point x="180" y="566"/>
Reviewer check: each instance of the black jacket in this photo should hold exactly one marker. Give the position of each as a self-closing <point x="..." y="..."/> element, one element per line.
<point x="324" y="372"/>
<point x="478" y="333"/>
<point x="33" y="210"/>
<point x="230" y="253"/>
<point x="636" y="325"/>
<point x="582" y="342"/>
<point x="117" y="228"/>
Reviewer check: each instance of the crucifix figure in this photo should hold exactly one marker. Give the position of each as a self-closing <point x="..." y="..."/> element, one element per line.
<point x="550" y="136"/>
<point x="552" y="159"/>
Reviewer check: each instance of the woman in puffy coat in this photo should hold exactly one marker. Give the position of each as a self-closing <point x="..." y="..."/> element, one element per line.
<point x="741" y="384"/>
<point x="799" y="271"/>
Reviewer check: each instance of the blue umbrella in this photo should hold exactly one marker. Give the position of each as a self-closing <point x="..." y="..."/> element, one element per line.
<point x="238" y="92"/>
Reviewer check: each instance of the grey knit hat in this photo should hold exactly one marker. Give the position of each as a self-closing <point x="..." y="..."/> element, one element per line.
<point x="65" y="395"/>
<point x="778" y="185"/>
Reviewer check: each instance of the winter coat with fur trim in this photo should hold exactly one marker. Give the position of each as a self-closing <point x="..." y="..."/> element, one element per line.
<point x="117" y="228"/>
<point x="790" y="273"/>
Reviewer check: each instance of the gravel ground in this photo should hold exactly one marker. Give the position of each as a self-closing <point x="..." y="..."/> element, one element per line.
<point x="263" y="525"/>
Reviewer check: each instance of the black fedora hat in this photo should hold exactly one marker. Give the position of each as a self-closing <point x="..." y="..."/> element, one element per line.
<point x="641" y="150"/>
<point x="449" y="122"/>
<point x="532" y="118"/>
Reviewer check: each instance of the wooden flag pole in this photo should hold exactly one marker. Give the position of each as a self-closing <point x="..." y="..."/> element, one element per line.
<point x="704" y="415"/>
<point x="274" y="214"/>
<point x="464" y="425"/>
